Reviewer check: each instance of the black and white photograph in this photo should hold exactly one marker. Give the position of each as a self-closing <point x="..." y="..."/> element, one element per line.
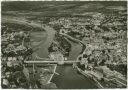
<point x="63" y="44"/>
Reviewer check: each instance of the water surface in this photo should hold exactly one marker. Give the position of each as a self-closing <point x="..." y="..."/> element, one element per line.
<point x="68" y="78"/>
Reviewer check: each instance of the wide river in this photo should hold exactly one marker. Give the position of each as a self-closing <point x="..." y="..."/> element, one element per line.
<point x="68" y="78"/>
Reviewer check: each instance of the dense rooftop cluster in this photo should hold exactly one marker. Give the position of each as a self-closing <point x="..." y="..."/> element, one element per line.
<point x="100" y="29"/>
<point x="105" y="40"/>
<point x="100" y="36"/>
<point x="15" y="49"/>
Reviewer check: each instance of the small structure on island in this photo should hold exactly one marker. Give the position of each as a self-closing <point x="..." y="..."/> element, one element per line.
<point x="57" y="56"/>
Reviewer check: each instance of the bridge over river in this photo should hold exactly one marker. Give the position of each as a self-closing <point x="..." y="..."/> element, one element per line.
<point x="68" y="78"/>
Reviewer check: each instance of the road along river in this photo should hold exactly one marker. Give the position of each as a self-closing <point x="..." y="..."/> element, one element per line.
<point x="68" y="78"/>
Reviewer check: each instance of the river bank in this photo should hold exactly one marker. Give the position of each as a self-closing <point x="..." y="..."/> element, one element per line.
<point x="76" y="80"/>
<point x="69" y="78"/>
<point x="62" y="81"/>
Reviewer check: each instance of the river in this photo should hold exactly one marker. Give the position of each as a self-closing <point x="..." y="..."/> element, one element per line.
<point x="68" y="78"/>
<point x="44" y="44"/>
<point x="71" y="79"/>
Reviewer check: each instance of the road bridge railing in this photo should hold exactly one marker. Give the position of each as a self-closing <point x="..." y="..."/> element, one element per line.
<point x="50" y="62"/>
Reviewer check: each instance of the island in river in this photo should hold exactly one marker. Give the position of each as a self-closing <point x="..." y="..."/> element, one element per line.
<point x="68" y="77"/>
